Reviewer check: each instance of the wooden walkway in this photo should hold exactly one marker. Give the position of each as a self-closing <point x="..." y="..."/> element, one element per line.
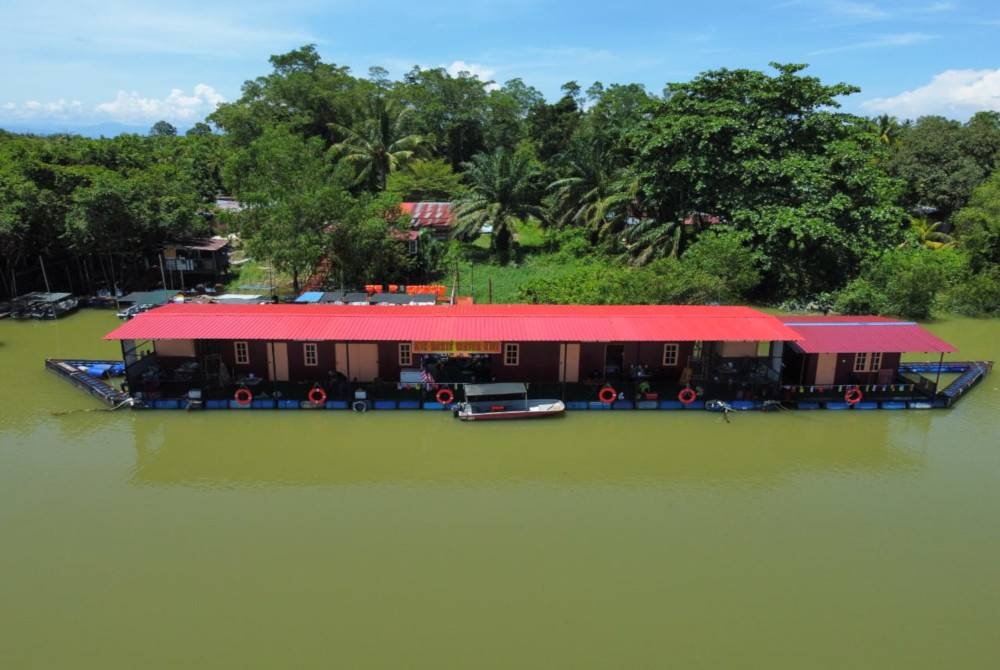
<point x="75" y="372"/>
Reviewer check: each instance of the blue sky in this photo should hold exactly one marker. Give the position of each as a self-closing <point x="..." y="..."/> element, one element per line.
<point x="83" y="62"/>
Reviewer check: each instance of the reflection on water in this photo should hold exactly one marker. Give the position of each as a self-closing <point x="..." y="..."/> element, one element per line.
<point x="421" y="448"/>
<point x="639" y="539"/>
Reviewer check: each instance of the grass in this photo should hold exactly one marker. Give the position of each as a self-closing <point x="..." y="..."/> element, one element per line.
<point x="257" y="273"/>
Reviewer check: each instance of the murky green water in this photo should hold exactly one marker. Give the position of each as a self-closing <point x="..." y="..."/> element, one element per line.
<point x="604" y="540"/>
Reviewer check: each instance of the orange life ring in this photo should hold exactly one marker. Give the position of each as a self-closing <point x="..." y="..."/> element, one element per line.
<point x="317" y="395"/>
<point x="607" y="395"/>
<point x="243" y="396"/>
<point x="687" y="395"/>
<point x="853" y="395"/>
<point x="445" y="396"/>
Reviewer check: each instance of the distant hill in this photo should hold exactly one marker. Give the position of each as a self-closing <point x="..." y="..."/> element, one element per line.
<point x="107" y="129"/>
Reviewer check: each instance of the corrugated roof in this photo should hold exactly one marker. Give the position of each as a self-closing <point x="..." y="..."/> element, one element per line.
<point x="851" y="334"/>
<point x="516" y="323"/>
<point x="429" y="214"/>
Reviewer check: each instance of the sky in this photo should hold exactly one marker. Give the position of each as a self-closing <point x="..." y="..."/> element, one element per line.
<point x="79" y="63"/>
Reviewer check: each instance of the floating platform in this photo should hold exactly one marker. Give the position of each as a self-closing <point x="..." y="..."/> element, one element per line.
<point x="90" y="375"/>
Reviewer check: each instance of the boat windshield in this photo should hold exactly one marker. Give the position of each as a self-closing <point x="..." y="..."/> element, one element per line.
<point x="472" y="390"/>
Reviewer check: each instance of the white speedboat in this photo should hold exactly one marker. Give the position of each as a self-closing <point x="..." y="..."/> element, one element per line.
<point x="495" y="402"/>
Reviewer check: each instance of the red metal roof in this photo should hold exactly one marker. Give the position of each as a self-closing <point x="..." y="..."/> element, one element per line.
<point x="429" y="214"/>
<point x="517" y="323"/>
<point x="851" y="334"/>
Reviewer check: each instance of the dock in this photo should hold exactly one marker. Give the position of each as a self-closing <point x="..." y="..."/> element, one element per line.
<point x="970" y="373"/>
<point x="91" y="376"/>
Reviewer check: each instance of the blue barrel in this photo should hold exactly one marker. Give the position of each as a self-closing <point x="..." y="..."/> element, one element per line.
<point x="623" y="404"/>
<point x="385" y="404"/>
<point x="808" y="405"/>
<point x="336" y="404"/>
<point x="576" y="404"/>
<point x="744" y="404"/>
<point x="647" y="404"/>
<point x="671" y="404"/>
<point x="409" y="404"/>
<point x="697" y="404"/>
<point x="433" y="405"/>
<point x="837" y="405"/>
<point x="262" y="403"/>
<point x="893" y="404"/>
<point x="593" y="404"/>
<point x="866" y="404"/>
<point x="216" y="404"/>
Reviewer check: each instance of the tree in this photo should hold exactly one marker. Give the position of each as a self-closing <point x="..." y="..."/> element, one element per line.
<point x="448" y="111"/>
<point x="380" y="145"/>
<point x="162" y="129"/>
<point x="771" y="155"/>
<point x="594" y="194"/>
<point x="302" y="93"/>
<point x="200" y="129"/>
<point x="928" y="234"/>
<point x="977" y="225"/>
<point x="291" y="197"/>
<point x="501" y="192"/>
<point x="938" y="172"/>
<point x="426" y="180"/>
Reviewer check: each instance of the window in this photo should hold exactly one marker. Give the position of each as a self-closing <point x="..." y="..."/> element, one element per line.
<point x="310" y="354"/>
<point x="697" y="350"/>
<point x="511" y="353"/>
<point x="670" y="354"/>
<point x="861" y="362"/>
<point x="868" y="362"/>
<point x="242" y="353"/>
<point x="406" y="354"/>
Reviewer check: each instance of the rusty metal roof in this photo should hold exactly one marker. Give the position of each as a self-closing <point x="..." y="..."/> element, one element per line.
<point x="429" y="214"/>
<point x="852" y="334"/>
<point x="517" y="323"/>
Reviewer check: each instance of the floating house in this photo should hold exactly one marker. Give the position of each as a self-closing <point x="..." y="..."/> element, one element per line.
<point x="588" y="355"/>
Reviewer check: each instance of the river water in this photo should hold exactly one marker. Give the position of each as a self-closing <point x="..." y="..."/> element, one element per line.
<point x="406" y="539"/>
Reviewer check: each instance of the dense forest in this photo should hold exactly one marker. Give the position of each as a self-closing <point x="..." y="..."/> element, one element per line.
<point x="736" y="186"/>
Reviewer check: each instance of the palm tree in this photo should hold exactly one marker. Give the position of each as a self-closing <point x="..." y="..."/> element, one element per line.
<point x="380" y="145"/>
<point x="887" y="129"/>
<point x="649" y="239"/>
<point x="594" y="195"/>
<point x="501" y="192"/>
<point x="929" y="234"/>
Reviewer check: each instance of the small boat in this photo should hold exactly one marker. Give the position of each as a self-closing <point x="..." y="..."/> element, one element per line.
<point x="494" y="402"/>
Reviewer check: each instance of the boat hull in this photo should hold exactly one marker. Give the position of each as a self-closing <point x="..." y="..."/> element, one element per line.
<point x="541" y="410"/>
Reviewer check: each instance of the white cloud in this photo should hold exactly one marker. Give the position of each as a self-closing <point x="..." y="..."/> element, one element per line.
<point x="893" y="40"/>
<point x="128" y="107"/>
<point x="953" y="93"/>
<point x="481" y="72"/>
<point x="865" y="11"/>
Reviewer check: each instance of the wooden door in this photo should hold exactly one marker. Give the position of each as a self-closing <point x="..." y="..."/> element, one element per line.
<point x="826" y="369"/>
<point x="362" y="358"/>
<point x="277" y="361"/>
<point x="569" y="362"/>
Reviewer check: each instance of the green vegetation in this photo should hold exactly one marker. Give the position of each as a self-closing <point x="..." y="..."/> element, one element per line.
<point x="736" y="186"/>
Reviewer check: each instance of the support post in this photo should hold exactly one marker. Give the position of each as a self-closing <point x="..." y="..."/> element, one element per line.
<point x="937" y="378"/>
<point x="45" y="275"/>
